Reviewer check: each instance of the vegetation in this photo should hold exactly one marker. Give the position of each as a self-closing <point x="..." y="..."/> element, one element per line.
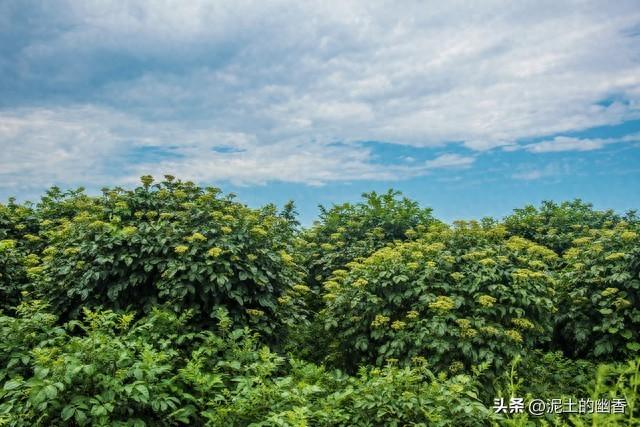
<point x="173" y="304"/>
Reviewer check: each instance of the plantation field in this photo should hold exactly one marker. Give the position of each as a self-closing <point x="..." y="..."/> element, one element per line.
<point x="173" y="304"/>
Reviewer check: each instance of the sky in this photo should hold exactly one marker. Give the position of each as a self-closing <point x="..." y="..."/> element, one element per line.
<point x="471" y="108"/>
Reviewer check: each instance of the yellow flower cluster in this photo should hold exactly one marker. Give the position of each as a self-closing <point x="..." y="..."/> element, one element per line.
<point x="464" y="323"/>
<point x="524" y="273"/>
<point x="571" y="253"/>
<point x="301" y="289"/>
<point x="360" y="283"/>
<point x="284" y="300"/>
<point x="434" y="247"/>
<point x="331" y="285"/>
<point x="457" y="276"/>
<point x="71" y="251"/>
<point x="413" y="265"/>
<point x="7" y="244"/>
<point x="327" y="247"/>
<point x="379" y="321"/>
<point x="487" y="262"/>
<point x="31" y="260"/>
<point x="398" y="325"/>
<point x="615" y="256"/>
<point x="254" y="312"/>
<point x="628" y="235"/>
<point x="227" y="218"/>
<point x="412" y="315"/>
<point x="196" y="237"/>
<point x="517" y="243"/>
<point x="486" y="300"/>
<point x="466" y="331"/>
<point x="489" y="330"/>
<point x="48" y="251"/>
<point x="419" y="361"/>
<point x="542" y="252"/>
<point x="226" y="230"/>
<point x="180" y="249"/>
<point x="475" y="255"/>
<point x="34" y="271"/>
<point x="442" y="303"/>
<point x="514" y="335"/>
<point x="522" y="323"/>
<point x="609" y="291"/>
<point x="537" y="264"/>
<point x="129" y="230"/>
<point x="286" y="257"/>
<point x="214" y="252"/>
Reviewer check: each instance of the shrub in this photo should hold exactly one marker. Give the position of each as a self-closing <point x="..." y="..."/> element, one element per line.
<point x="601" y="294"/>
<point x="349" y="231"/>
<point x="19" y="248"/>
<point x="171" y="243"/>
<point x="460" y="297"/>
<point x="109" y="369"/>
<point x="556" y="225"/>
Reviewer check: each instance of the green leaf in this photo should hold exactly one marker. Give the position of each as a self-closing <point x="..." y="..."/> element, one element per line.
<point x="67" y="412"/>
<point x="12" y="384"/>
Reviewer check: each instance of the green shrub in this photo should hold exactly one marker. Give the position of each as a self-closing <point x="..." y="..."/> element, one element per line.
<point x="460" y="297"/>
<point x="601" y="295"/>
<point x="170" y="243"/>
<point x="107" y="375"/>
<point x="19" y="248"/>
<point x="109" y="369"/>
<point x="349" y="231"/>
<point x="556" y="225"/>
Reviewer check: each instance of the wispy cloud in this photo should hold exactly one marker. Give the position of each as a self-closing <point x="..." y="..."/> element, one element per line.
<point x="450" y="161"/>
<point x="547" y="171"/>
<point x="564" y="143"/>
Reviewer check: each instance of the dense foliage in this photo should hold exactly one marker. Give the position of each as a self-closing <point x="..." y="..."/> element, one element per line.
<point x="601" y="284"/>
<point x="171" y="243"/>
<point x="349" y="231"/>
<point x="458" y="297"/>
<point x="173" y="304"/>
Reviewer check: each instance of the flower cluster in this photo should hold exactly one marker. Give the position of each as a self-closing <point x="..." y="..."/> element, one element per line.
<point x="442" y="303"/>
<point x="486" y="300"/>
<point x="180" y="249"/>
<point x="379" y="321"/>
<point x="522" y="323"/>
<point x="214" y="252"/>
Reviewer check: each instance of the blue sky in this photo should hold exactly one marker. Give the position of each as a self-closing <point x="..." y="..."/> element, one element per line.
<point x="472" y="109"/>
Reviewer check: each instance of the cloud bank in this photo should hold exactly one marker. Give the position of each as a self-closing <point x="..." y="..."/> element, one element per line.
<point x="92" y="91"/>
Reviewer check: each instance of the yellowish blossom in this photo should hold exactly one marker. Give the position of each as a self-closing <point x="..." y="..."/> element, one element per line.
<point x="442" y="303"/>
<point x="180" y="249"/>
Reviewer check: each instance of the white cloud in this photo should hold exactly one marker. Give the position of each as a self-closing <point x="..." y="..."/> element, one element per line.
<point x="535" y="173"/>
<point x="449" y="161"/>
<point x="563" y="143"/>
<point x="282" y="80"/>
<point x="98" y="146"/>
